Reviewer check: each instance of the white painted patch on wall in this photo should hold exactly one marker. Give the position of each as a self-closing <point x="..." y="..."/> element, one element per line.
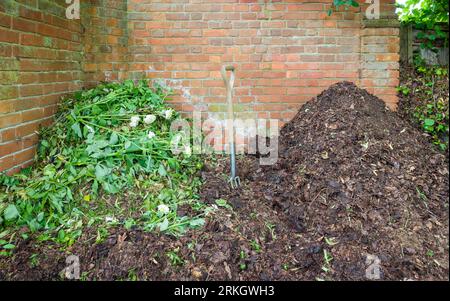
<point x="108" y="75"/>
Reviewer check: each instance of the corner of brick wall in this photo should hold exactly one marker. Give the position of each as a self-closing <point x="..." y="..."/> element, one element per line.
<point x="380" y="54"/>
<point x="40" y="61"/>
<point x="105" y="41"/>
<point x="44" y="56"/>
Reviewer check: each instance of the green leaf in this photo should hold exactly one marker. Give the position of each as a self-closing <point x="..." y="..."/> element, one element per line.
<point x="50" y="171"/>
<point x="197" y="222"/>
<point x="429" y="122"/>
<point x="95" y="187"/>
<point x="132" y="147"/>
<point x="40" y="217"/>
<point x="9" y="246"/>
<point x="162" y="171"/>
<point x="33" y="225"/>
<point x="61" y="235"/>
<point x="163" y="225"/>
<point x="96" y="110"/>
<point x="110" y="187"/>
<point x="223" y="203"/>
<point x="11" y="212"/>
<point x="101" y="172"/>
<point x="113" y="139"/>
<point x="77" y="129"/>
<point x="57" y="205"/>
<point x="4" y="233"/>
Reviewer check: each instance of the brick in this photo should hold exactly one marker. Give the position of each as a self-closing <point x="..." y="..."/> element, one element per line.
<point x="24" y="25"/>
<point x="33" y="114"/>
<point x="10" y="120"/>
<point x="8" y="92"/>
<point x="30" y="90"/>
<point x="6" y="106"/>
<point x="7" y="134"/>
<point x="7" y="163"/>
<point x="31" y="40"/>
<point x="10" y="147"/>
<point x="27" y="13"/>
<point x="25" y="155"/>
<point x="5" y="20"/>
<point x="9" y="36"/>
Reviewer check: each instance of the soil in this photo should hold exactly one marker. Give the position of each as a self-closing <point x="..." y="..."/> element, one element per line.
<point x="355" y="186"/>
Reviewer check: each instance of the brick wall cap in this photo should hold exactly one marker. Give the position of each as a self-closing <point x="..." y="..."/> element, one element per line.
<point x="381" y="23"/>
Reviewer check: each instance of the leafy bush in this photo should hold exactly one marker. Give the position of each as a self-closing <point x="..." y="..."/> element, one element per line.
<point x="428" y="15"/>
<point x="105" y="142"/>
<point x="433" y="115"/>
<point x="345" y="3"/>
<point x="425" y="95"/>
<point x="434" y="120"/>
<point x="424" y="12"/>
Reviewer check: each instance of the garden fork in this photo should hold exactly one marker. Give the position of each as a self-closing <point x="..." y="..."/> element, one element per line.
<point x="229" y="82"/>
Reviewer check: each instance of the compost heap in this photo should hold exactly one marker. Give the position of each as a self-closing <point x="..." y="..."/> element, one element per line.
<point x="357" y="193"/>
<point x="351" y="169"/>
<point x="355" y="189"/>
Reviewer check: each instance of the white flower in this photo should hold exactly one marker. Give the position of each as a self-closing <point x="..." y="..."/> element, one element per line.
<point x="149" y="119"/>
<point x="164" y="209"/>
<point x="134" y="121"/>
<point x="110" y="219"/>
<point x="150" y="135"/>
<point x="168" y="114"/>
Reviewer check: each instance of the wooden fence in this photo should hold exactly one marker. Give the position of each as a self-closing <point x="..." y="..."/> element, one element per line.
<point x="410" y="46"/>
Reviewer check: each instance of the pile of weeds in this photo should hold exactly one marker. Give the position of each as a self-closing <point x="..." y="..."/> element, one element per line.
<point x="106" y="161"/>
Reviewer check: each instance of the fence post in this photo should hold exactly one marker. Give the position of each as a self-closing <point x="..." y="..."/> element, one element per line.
<point x="406" y="43"/>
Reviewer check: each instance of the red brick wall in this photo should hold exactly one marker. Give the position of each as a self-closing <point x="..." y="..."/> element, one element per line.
<point x="285" y="52"/>
<point x="40" y="60"/>
<point x="105" y="40"/>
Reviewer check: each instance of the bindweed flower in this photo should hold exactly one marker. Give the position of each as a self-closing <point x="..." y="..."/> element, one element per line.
<point x="134" y="121"/>
<point x="150" y="135"/>
<point x="149" y="119"/>
<point x="168" y="113"/>
<point x="164" y="209"/>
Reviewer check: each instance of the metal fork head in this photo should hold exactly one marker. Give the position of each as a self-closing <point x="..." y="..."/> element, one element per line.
<point x="235" y="182"/>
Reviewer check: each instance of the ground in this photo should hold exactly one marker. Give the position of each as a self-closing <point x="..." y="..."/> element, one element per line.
<point x="355" y="187"/>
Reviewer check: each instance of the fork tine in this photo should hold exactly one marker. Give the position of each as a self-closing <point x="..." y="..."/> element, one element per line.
<point x="235" y="182"/>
